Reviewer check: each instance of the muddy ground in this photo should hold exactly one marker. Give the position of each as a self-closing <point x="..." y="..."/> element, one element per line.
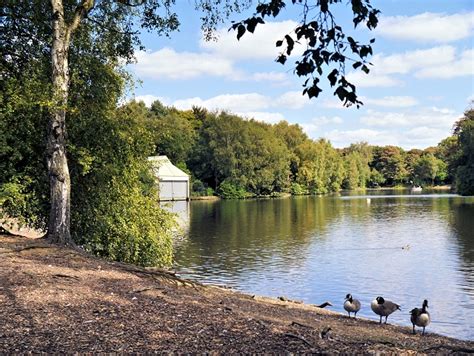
<point x="56" y="300"/>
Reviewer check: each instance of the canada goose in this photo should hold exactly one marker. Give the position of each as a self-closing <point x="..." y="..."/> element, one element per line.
<point x="383" y="307"/>
<point x="351" y="305"/>
<point x="420" y="317"/>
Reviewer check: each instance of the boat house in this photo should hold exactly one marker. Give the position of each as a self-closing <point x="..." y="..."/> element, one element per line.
<point x="174" y="183"/>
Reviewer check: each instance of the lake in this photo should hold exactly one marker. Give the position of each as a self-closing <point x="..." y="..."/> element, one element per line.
<point x="404" y="247"/>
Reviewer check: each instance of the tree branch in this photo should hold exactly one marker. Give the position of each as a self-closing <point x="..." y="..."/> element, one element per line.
<point x="81" y="11"/>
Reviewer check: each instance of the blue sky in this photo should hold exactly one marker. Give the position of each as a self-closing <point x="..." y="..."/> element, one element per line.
<point x="420" y="84"/>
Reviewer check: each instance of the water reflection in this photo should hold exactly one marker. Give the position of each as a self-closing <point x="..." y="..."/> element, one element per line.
<point x="317" y="248"/>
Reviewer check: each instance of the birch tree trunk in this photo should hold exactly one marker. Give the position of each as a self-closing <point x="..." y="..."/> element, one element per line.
<point x="58" y="170"/>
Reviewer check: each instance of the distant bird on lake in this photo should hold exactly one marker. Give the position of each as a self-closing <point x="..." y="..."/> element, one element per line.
<point x="383" y="307"/>
<point x="351" y="305"/>
<point x="420" y="317"/>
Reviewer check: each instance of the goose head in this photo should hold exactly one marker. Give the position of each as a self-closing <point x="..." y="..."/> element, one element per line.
<point x="349" y="297"/>
<point x="425" y="303"/>
<point x="380" y="300"/>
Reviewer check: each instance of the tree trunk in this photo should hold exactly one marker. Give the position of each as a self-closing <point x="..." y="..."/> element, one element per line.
<point x="58" y="171"/>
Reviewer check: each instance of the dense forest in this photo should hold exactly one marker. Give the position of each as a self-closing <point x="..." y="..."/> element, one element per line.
<point x="237" y="158"/>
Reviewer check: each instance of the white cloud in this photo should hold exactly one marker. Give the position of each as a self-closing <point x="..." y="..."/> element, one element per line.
<point x="440" y="62"/>
<point x="169" y="64"/>
<point x="391" y="101"/>
<point x="269" y="117"/>
<point x="344" y="138"/>
<point x="315" y="124"/>
<point x="372" y="80"/>
<point x="431" y="117"/>
<point x="269" y="76"/>
<point x="245" y="103"/>
<point x="436" y="27"/>
<point x="258" y="45"/>
<point x="293" y="100"/>
<point x="230" y="102"/>
<point x="457" y="68"/>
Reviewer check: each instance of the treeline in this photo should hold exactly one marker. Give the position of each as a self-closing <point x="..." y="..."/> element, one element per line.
<point x="237" y="158"/>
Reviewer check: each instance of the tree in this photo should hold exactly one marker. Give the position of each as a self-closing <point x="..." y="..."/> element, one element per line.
<point x="427" y="168"/>
<point x="33" y="30"/>
<point x="389" y="161"/>
<point x="464" y="130"/>
<point x="448" y="151"/>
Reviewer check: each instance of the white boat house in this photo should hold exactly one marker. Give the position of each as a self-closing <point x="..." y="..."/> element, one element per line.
<point x="174" y="183"/>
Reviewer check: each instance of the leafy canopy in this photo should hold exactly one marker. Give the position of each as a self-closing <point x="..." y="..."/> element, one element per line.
<point x="328" y="48"/>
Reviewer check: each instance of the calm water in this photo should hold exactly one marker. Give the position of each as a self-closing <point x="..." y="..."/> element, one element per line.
<point x="320" y="248"/>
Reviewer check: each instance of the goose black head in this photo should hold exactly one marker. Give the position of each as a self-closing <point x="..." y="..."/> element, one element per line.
<point x="380" y="300"/>
<point x="425" y="303"/>
<point x="348" y="296"/>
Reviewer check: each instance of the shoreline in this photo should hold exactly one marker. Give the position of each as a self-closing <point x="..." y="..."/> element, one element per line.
<point x="57" y="299"/>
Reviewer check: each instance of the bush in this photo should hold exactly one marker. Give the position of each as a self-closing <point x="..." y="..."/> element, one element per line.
<point x="228" y="190"/>
<point x="200" y="189"/>
<point x="298" y="189"/>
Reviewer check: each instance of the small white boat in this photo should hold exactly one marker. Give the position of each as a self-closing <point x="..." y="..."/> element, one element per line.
<point x="416" y="189"/>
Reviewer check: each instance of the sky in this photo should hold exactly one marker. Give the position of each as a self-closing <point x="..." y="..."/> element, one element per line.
<point x="420" y="83"/>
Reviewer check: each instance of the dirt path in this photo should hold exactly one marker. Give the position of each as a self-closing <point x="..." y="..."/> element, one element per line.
<point x="58" y="300"/>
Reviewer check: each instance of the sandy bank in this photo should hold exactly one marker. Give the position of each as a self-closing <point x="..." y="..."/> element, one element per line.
<point x="60" y="300"/>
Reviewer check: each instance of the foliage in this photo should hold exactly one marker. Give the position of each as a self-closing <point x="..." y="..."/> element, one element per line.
<point x="464" y="130"/>
<point x="328" y="48"/>
<point x="23" y="182"/>
<point x="115" y="211"/>
<point x="448" y="151"/>
<point x="173" y="132"/>
<point x="390" y="162"/>
<point x="428" y="168"/>
<point x="245" y="153"/>
<point x="298" y="189"/>
<point x="200" y="189"/>
<point x="229" y="190"/>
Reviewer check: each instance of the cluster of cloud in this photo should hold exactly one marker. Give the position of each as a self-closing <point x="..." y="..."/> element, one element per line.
<point x="417" y="128"/>
<point x="432" y="27"/>
<point x="218" y="58"/>
<point x="443" y="62"/>
<point x="250" y="105"/>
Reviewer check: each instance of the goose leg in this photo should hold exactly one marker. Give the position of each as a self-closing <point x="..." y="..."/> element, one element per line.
<point x="355" y="315"/>
<point x="414" y="332"/>
<point x="423" y="331"/>
<point x="386" y="319"/>
<point x="349" y="314"/>
<point x="380" y="322"/>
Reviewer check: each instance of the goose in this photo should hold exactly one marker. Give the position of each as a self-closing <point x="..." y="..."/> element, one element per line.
<point x="383" y="307"/>
<point x="351" y="305"/>
<point x="420" y="317"/>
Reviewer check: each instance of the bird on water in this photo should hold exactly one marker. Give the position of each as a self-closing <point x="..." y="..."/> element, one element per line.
<point x="383" y="307"/>
<point x="420" y="317"/>
<point x="351" y="305"/>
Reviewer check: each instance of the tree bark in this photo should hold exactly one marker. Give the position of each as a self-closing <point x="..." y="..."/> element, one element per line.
<point x="59" y="227"/>
<point x="58" y="171"/>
